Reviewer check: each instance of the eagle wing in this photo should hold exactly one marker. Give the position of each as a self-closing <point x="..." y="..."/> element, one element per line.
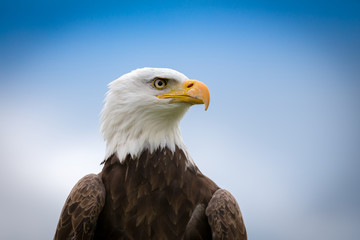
<point x="224" y="217"/>
<point x="81" y="210"/>
<point x="198" y="227"/>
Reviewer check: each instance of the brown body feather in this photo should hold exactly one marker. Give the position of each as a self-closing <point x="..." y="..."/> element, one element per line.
<point x="81" y="210"/>
<point x="158" y="195"/>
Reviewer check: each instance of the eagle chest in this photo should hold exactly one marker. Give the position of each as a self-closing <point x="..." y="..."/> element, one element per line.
<point x="152" y="196"/>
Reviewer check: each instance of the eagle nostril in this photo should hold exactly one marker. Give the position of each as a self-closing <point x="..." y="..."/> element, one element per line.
<point x="190" y="85"/>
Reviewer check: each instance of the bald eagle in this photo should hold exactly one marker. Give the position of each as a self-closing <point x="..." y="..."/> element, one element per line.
<point x="149" y="187"/>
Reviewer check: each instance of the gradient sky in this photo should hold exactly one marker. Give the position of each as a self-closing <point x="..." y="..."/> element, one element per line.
<point x="282" y="131"/>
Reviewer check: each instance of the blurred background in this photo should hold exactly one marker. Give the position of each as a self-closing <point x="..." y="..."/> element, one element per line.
<point x="282" y="131"/>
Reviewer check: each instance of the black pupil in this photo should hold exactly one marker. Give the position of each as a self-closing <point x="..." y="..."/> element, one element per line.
<point x="160" y="83"/>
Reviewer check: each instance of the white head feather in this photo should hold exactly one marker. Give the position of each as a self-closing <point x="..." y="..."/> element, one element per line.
<point x="134" y="118"/>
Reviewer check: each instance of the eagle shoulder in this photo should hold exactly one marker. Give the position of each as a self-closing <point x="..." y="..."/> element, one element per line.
<point x="81" y="210"/>
<point x="224" y="217"/>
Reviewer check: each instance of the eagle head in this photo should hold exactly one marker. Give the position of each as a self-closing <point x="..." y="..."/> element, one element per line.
<point x="143" y="110"/>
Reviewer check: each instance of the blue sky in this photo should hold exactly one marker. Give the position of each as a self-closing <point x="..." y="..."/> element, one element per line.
<point x="282" y="131"/>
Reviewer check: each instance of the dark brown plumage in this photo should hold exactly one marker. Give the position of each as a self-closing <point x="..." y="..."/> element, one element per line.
<point x="81" y="210"/>
<point x="158" y="195"/>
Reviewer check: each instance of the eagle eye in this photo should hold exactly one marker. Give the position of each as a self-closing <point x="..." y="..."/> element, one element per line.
<point x="160" y="83"/>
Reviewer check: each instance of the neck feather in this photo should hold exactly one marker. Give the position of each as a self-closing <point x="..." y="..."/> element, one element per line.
<point x="135" y="129"/>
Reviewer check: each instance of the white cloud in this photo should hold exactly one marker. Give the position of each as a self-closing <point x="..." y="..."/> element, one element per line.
<point x="41" y="161"/>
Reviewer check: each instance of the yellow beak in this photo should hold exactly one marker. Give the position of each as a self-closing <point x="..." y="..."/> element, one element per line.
<point x="191" y="91"/>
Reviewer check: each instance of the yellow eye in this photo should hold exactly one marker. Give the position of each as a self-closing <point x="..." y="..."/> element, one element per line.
<point x="159" y="83"/>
